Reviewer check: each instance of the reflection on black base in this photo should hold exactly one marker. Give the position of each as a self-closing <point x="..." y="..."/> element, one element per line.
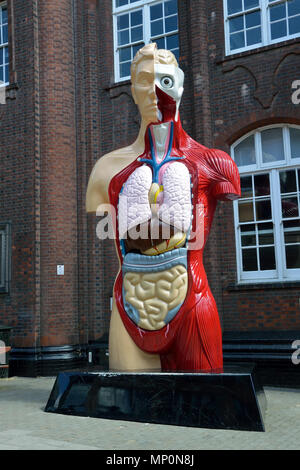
<point x="231" y="400"/>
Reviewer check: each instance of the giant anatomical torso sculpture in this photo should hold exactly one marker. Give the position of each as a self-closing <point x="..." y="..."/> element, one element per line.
<point x="165" y="199"/>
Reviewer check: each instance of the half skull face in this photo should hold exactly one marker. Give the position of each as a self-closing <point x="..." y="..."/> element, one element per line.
<point x="169" y="81"/>
<point x="157" y="90"/>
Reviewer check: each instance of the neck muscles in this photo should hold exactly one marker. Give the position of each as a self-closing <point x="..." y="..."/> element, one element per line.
<point x="160" y="133"/>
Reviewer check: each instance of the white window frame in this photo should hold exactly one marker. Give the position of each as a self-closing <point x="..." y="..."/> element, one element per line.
<point x="131" y="7"/>
<point x="2" y="46"/>
<point x="281" y="274"/>
<point x="264" y="8"/>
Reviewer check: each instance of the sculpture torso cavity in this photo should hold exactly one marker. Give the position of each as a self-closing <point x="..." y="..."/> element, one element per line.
<point x="158" y="192"/>
<point x="156" y="199"/>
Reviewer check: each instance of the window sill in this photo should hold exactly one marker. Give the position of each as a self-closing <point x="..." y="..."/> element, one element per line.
<point x="11" y="91"/>
<point x="257" y="50"/>
<point x="264" y="285"/>
<point x="126" y="81"/>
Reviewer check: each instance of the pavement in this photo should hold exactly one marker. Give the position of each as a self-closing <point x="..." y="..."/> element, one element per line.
<point x="25" y="426"/>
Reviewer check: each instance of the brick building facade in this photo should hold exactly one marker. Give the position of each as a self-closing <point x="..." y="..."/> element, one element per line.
<point x="63" y="110"/>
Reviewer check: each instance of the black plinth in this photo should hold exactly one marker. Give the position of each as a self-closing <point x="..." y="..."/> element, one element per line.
<point x="231" y="400"/>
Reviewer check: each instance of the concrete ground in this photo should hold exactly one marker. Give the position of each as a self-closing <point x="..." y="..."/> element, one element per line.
<point x="25" y="426"/>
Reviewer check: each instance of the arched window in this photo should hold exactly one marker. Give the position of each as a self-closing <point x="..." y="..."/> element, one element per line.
<point x="267" y="216"/>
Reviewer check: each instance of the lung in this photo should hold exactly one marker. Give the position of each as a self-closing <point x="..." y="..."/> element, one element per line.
<point x="134" y="207"/>
<point x="175" y="207"/>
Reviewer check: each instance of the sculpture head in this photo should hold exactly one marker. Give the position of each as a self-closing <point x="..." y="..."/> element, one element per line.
<point x="157" y="83"/>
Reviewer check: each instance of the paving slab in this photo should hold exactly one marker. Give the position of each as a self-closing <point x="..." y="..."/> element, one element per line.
<point x="25" y="426"/>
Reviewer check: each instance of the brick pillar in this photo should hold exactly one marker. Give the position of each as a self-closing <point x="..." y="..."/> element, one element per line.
<point x="198" y="79"/>
<point x="59" y="298"/>
<point x="197" y="112"/>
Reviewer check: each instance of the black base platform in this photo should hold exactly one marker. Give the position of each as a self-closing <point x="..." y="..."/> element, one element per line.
<point x="231" y="400"/>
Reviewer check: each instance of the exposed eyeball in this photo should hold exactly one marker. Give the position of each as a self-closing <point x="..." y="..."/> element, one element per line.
<point x="167" y="82"/>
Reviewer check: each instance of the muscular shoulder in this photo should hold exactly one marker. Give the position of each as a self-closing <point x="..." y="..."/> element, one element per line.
<point x="219" y="161"/>
<point x="222" y="174"/>
<point x="227" y="178"/>
<point x="104" y="170"/>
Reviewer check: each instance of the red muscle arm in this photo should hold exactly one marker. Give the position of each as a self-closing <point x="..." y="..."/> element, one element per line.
<point x="223" y="174"/>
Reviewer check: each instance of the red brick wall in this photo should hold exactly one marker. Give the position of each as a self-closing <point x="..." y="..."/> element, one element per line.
<point x="17" y="177"/>
<point x="215" y="112"/>
<point x="267" y="74"/>
<point x="59" y="296"/>
<point x="67" y="112"/>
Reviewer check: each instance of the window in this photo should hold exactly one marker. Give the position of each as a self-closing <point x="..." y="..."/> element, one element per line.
<point x="139" y="22"/>
<point x="255" y="23"/>
<point x="4" y="257"/>
<point x="4" y="62"/>
<point x="267" y="216"/>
